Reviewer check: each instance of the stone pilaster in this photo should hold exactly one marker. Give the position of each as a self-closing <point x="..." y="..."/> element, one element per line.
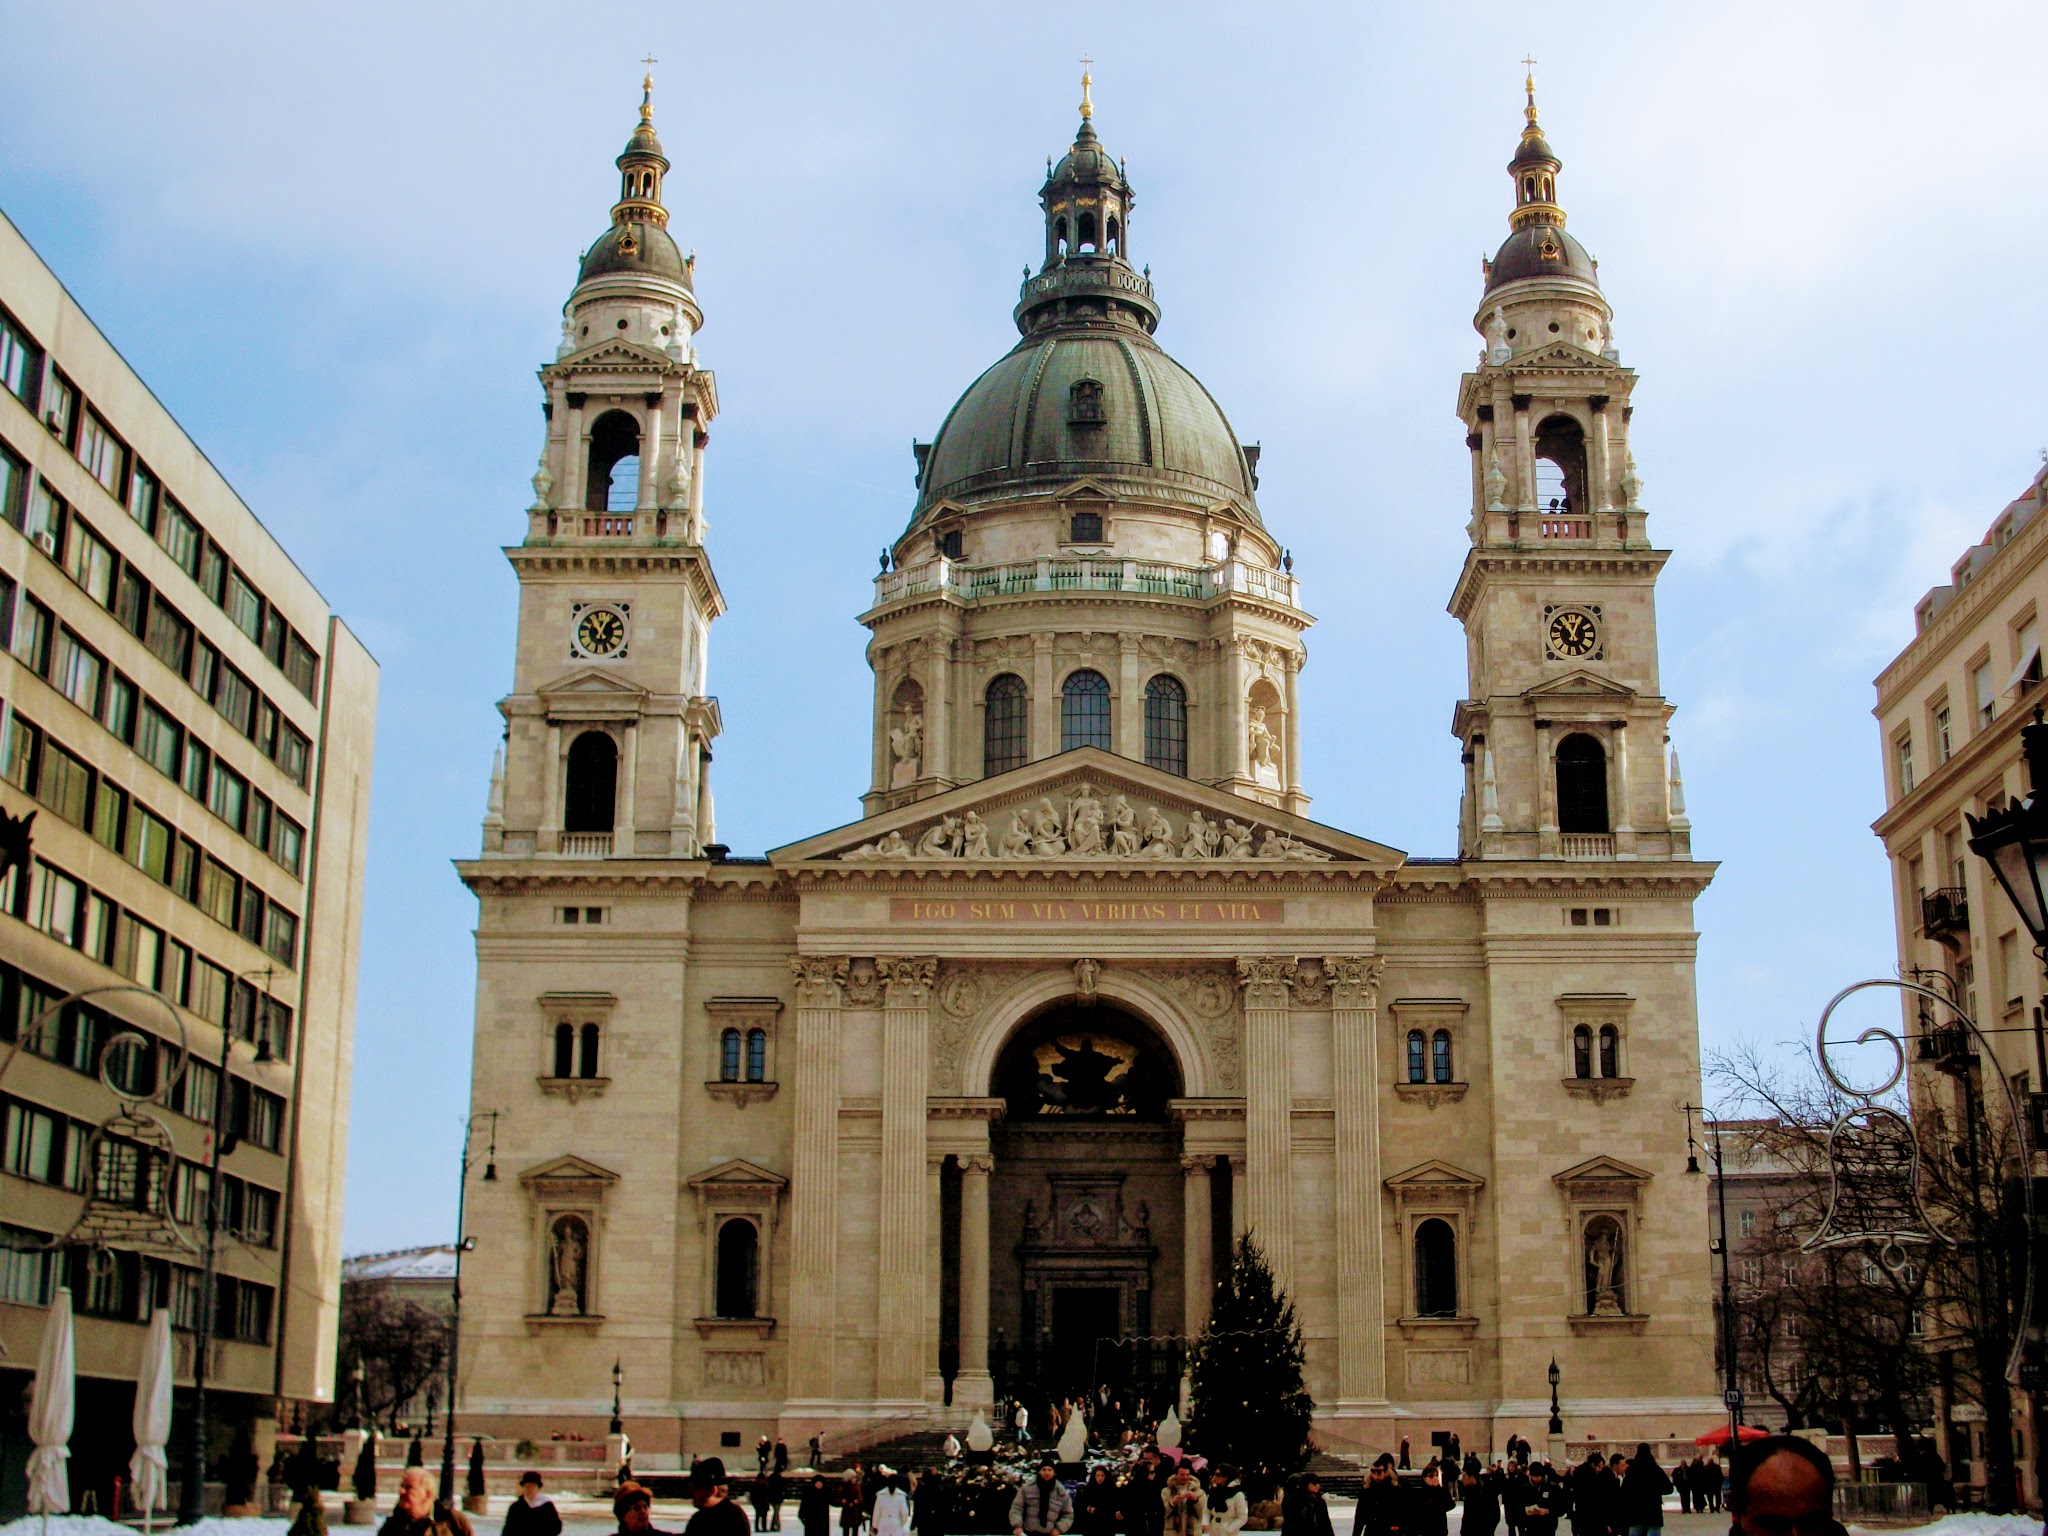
<point x="814" y="1174"/>
<point x="928" y="1346"/>
<point x="906" y="1070"/>
<point x="1267" y="981"/>
<point x="972" y="1387"/>
<point x="1197" y="1243"/>
<point x="1361" y="1283"/>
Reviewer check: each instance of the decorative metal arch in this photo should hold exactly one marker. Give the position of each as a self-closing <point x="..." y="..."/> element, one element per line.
<point x="1873" y="1143"/>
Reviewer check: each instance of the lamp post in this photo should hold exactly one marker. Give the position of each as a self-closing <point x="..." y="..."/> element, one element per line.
<point x="618" y="1426"/>
<point x="192" y="1483"/>
<point x="1556" y="1430"/>
<point x="1731" y="1393"/>
<point x="485" y="1118"/>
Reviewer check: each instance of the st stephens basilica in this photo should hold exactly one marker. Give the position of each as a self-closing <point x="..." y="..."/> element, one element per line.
<point x="968" y="1100"/>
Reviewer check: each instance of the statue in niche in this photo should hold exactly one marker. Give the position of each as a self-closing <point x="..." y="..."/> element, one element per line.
<point x="1123" y="829"/>
<point x="973" y="836"/>
<point x="1603" y="1269"/>
<point x="1048" y="838"/>
<point x="566" y="1259"/>
<point x="1158" y="834"/>
<point x="941" y="839"/>
<point x="1237" y="840"/>
<point x="1201" y="837"/>
<point x="906" y="748"/>
<point x="1084" y="821"/>
<point x="1263" y="747"/>
<point x="1016" y="843"/>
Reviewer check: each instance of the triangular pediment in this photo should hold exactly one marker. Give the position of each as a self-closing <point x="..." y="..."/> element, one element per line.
<point x="1603" y="1170"/>
<point x="1120" y="813"/>
<point x="737" y="1172"/>
<point x="1087" y="488"/>
<point x="1436" y="1174"/>
<point x="1561" y="354"/>
<point x="1580" y="684"/>
<point x="592" y="682"/>
<point x="568" y="1168"/>
<point x="617" y="352"/>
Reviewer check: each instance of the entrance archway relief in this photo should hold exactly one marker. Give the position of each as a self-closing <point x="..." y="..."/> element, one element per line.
<point x="1030" y="994"/>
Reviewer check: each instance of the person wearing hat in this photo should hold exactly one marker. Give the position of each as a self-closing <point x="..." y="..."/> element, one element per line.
<point x="1042" y="1507"/>
<point x="716" y="1515"/>
<point x="532" y="1514"/>
<point x="633" y="1508"/>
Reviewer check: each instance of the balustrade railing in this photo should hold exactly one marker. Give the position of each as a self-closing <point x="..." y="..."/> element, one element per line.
<point x="605" y="525"/>
<point x="1084" y="573"/>
<point x="1588" y="845"/>
<point x="1568" y="529"/>
<point x="586" y="845"/>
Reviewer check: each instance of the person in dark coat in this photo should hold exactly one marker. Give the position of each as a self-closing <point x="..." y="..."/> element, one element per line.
<point x="931" y="1506"/>
<point x="814" y="1508"/>
<point x="1095" y="1505"/>
<point x="853" y="1505"/>
<point x="1543" y="1503"/>
<point x="762" y="1497"/>
<point x="1427" y="1506"/>
<point x="1513" y="1482"/>
<point x="1144" y="1503"/>
<point x="711" y="1492"/>
<point x="1481" y="1499"/>
<point x="531" y="1514"/>
<point x="1305" y="1512"/>
<point x="1588" y="1496"/>
<point x="633" y="1508"/>
<point x="1378" y="1512"/>
<point x="1643" y="1488"/>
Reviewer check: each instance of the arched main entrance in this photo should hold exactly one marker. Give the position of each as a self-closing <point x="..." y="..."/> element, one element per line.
<point x="1085" y="1211"/>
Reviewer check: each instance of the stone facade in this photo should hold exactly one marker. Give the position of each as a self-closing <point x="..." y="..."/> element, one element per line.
<point x="970" y="1097"/>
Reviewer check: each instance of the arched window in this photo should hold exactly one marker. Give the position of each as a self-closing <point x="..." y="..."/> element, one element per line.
<point x="614" y="484"/>
<point x="565" y="1049"/>
<point x="586" y="1062"/>
<point x="1116" y="235"/>
<point x="757" y="1055"/>
<point x="1005" y="726"/>
<point x="1085" y="228"/>
<point x="1417" y="1064"/>
<point x="1582" y="1052"/>
<point x="1059" y="237"/>
<point x="1436" y="1269"/>
<point x="1166" y="725"/>
<point x="1084" y="711"/>
<point x="729" y="1056"/>
<point x="1581" y="784"/>
<point x="1610" y="1051"/>
<point x="593" y="786"/>
<point x="739" y="1264"/>
<point x="1560" y="451"/>
<point x="1440" y="1056"/>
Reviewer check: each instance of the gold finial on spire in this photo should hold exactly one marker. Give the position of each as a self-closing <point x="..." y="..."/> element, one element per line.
<point x="647" y="89"/>
<point x="1087" y="106"/>
<point x="1529" y="86"/>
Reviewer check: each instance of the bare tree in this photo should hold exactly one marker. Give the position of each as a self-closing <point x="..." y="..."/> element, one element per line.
<point x="402" y="1346"/>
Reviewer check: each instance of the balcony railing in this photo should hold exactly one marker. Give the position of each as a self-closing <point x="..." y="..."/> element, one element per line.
<point x="1587" y="845"/>
<point x="1567" y="529"/>
<point x="586" y="845"/>
<point x="604" y="525"/>
<point x="1945" y="911"/>
<point x="1086" y="573"/>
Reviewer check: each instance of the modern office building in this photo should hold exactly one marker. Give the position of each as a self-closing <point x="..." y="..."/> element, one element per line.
<point x="191" y="727"/>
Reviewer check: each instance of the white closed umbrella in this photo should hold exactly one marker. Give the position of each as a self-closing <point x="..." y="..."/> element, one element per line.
<point x="49" y="1417"/>
<point x="148" y="1470"/>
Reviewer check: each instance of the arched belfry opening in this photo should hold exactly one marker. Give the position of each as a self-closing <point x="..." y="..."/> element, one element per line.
<point x="613" y="484"/>
<point x="1560" y="451"/>
<point x="1086" y="1212"/>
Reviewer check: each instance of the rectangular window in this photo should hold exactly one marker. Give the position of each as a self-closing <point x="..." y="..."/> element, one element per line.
<point x="53" y="903"/>
<point x="159" y="739"/>
<point x="179" y="535"/>
<point x="64" y="784"/>
<point x="199" y="1093"/>
<point x="259" y="1216"/>
<point x="169" y="635"/>
<point x="266" y="727"/>
<point x="244" y="606"/>
<point x="293" y="752"/>
<point x="266" y="1120"/>
<point x="60" y="407"/>
<point x="1902" y="748"/>
<point x="18" y="754"/>
<point x="118" y="707"/>
<point x="257" y="829"/>
<point x="205" y="669"/>
<point x="189" y="1186"/>
<point x="209" y="992"/>
<point x="30" y="1144"/>
<point x="213" y="572"/>
<point x="274" y="631"/>
<point x="1944" y="744"/>
<point x="109" y="812"/>
<point x="7" y="590"/>
<point x="235" y="698"/>
<point x="2011" y="975"/>
<point x="96" y="934"/>
<point x="140" y="951"/>
<point x="27" y="1266"/>
<point x="150" y="841"/>
<point x="250" y="925"/>
<point x="131" y="602"/>
<point x="100" y="452"/>
<point x="185" y="864"/>
<point x="218" y="889"/>
<point x="32" y="627"/>
<point x="301" y="665"/>
<point x="177" y="982"/>
<point x="13" y="483"/>
<point x="1983" y="691"/>
<point x="21" y="362"/>
<point x="44" y="522"/>
<point x="229" y="797"/>
<point x="142" y="496"/>
<point x="197" y="762"/>
<point x="288" y="842"/>
<point x="252" y="1312"/>
<point x="281" y="935"/>
<point x="188" y="1298"/>
<point x="77" y="671"/>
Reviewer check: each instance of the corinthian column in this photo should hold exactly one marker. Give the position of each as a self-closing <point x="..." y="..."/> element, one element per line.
<point x="1361" y="1286"/>
<point x="1268" y="1110"/>
<point x="1197" y="1242"/>
<point x="814" y="1174"/>
<point x="906" y="1067"/>
<point x="972" y="1387"/>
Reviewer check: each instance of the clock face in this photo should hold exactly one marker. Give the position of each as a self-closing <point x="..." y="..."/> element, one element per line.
<point x="600" y="631"/>
<point x="1573" y="634"/>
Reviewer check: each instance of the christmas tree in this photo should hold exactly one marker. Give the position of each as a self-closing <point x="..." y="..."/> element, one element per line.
<point x="1250" y="1409"/>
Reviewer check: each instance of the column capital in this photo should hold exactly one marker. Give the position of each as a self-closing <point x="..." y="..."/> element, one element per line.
<point x="1267" y="980"/>
<point x="819" y="979"/>
<point x="907" y="980"/>
<point x="1354" y="979"/>
<point x="1237" y="1164"/>
<point x="983" y="1163"/>
<point x="1198" y="1164"/>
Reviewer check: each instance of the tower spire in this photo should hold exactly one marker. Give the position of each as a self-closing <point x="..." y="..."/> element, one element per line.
<point x="1535" y="165"/>
<point x="642" y="165"/>
<point x="1087" y="80"/>
<point x="1529" y="86"/>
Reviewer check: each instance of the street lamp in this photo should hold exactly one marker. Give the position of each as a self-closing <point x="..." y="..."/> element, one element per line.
<point x="463" y="1244"/>
<point x="1731" y="1393"/>
<point x="1556" y="1430"/>
<point x="192" y="1485"/>
<point x="618" y="1426"/>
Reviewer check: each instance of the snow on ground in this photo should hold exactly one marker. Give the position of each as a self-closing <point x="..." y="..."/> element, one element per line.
<point x="1947" y="1525"/>
<point x="94" y="1525"/>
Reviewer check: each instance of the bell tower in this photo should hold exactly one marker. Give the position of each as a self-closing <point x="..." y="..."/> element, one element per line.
<point x="1564" y="724"/>
<point x="608" y="728"/>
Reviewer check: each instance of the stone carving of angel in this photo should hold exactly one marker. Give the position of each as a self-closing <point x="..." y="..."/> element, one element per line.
<point x="1237" y="840"/>
<point x="1497" y="348"/>
<point x="1016" y="843"/>
<point x="973" y="836"/>
<point x="1048" y="839"/>
<point x="906" y="748"/>
<point x="1084" y="822"/>
<point x="1123" y="829"/>
<point x="1158" y="834"/>
<point x="1263" y="746"/>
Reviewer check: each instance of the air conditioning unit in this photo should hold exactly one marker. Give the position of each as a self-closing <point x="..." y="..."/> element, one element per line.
<point x="46" y="541"/>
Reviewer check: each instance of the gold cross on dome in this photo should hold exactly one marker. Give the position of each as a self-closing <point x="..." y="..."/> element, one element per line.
<point x="1087" y="106"/>
<point x="649" y="60"/>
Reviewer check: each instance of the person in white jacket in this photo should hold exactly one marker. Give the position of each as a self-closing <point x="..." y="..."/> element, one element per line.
<point x="1224" y="1512"/>
<point x="892" y="1508"/>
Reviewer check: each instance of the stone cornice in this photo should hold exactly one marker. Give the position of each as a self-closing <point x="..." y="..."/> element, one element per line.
<point x="888" y="613"/>
<point x="622" y="557"/>
<point x="1036" y="877"/>
<point x="2005" y="570"/>
<point x="1481" y="565"/>
<point x="1935" y="796"/>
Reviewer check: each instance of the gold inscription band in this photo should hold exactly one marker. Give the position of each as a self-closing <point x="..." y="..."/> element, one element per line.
<point x="1025" y="912"/>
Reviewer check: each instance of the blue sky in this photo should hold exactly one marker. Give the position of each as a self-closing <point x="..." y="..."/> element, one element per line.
<point x="336" y="241"/>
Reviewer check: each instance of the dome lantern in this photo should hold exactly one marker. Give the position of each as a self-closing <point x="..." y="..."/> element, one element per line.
<point x="638" y="243"/>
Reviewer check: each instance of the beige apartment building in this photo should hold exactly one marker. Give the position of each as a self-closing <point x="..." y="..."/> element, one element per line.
<point x="1950" y="708"/>
<point x="191" y="726"/>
